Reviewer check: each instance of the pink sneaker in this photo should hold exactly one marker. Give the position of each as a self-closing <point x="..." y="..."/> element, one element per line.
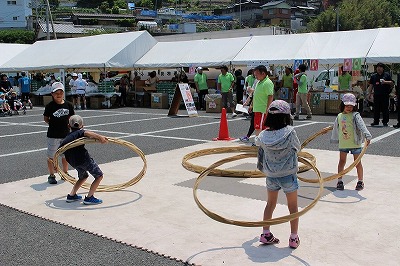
<point x="269" y="239"/>
<point x="294" y="242"/>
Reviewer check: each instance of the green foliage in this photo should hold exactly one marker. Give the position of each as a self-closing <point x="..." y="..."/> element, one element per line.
<point x="54" y="3"/>
<point x="146" y="3"/>
<point x="355" y="15"/>
<point x="125" y="22"/>
<point x="99" y="31"/>
<point x="120" y="4"/>
<point x="17" y="36"/>
<point x="89" y="3"/>
<point x="115" y="10"/>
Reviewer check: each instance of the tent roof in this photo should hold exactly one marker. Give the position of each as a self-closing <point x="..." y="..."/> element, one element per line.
<point x="117" y="51"/>
<point x="9" y="50"/>
<point x="209" y="53"/>
<point x="386" y="47"/>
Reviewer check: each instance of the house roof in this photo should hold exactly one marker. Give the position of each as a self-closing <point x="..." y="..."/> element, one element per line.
<point x="66" y="28"/>
<point x="273" y="3"/>
<point x="98" y="15"/>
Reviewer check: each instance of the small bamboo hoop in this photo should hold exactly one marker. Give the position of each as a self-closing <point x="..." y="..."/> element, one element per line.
<point x="101" y="188"/>
<point x="273" y="221"/>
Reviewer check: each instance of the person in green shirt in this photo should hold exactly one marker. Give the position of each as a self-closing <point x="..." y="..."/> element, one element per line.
<point x="200" y="80"/>
<point x="225" y="85"/>
<point x="301" y="96"/>
<point x="344" y="81"/>
<point x="262" y="97"/>
<point x="287" y="82"/>
<point x="249" y="80"/>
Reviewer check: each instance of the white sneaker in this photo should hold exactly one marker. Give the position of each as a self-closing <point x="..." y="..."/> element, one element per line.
<point x="234" y="115"/>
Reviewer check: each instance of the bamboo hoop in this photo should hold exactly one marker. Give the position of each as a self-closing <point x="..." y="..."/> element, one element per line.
<point x="101" y="188"/>
<point x="233" y="172"/>
<point x="273" y="221"/>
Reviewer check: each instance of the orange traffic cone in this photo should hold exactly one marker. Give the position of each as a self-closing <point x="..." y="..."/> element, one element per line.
<point x="223" y="127"/>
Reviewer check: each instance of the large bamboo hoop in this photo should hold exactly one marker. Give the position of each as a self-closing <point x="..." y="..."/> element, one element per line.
<point x="101" y="188"/>
<point x="273" y="221"/>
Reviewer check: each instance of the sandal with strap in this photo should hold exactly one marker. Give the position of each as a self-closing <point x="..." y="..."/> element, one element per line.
<point x="269" y="239"/>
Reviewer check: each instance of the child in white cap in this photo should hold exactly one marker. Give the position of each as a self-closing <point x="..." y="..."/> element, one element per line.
<point x="349" y="131"/>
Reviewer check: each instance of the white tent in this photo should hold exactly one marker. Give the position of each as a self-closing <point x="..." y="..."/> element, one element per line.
<point x="113" y="51"/>
<point x="9" y="50"/>
<point x="205" y="53"/>
<point x="386" y="47"/>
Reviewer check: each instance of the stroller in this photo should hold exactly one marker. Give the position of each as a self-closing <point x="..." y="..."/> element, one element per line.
<point x="15" y="103"/>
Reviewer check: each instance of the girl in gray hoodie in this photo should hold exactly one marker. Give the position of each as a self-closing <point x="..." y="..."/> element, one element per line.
<point x="277" y="158"/>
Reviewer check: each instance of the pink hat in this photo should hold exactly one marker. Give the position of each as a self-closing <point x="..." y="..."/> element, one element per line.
<point x="349" y="99"/>
<point x="279" y="107"/>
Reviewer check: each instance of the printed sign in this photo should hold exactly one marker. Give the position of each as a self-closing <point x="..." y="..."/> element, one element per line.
<point x="347" y="65"/>
<point x="314" y="65"/>
<point x="296" y="64"/>
<point x="357" y="64"/>
<point x="188" y="99"/>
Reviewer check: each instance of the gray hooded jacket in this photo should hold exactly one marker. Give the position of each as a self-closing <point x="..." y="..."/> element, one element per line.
<point x="280" y="151"/>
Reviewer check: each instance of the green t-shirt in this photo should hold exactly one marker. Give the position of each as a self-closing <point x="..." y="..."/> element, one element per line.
<point x="263" y="89"/>
<point x="225" y="81"/>
<point x="344" y="82"/>
<point x="250" y="80"/>
<point x="288" y="81"/>
<point x="201" y="80"/>
<point x="346" y="131"/>
<point x="303" y="82"/>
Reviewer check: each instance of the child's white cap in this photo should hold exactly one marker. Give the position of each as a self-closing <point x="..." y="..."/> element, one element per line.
<point x="76" y="121"/>
<point x="57" y="86"/>
<point x="349" y="99"/>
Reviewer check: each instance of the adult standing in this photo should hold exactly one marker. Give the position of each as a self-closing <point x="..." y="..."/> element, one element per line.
<point x="72" y="86"/>
<point x="301" y="97"/>
<point x="200" y="81"/>
<point x="24" y="84"/>
<point x="123" y="87"/>
<point x="249" y="80"/>
<point x="262" y="97"/>
<point x="398" y="102"/>
<point x="287" y="82"/>
<point x="225" y="85"/>
<point x="344" y="81"/>
<point x="239" y="83"/>
<point x="380" y="85"/>
<point x="80" y="85"/>
<point x="5" y="85"/>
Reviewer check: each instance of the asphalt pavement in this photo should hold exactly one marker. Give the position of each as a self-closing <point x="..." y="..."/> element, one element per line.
<point x="30" y="240"/>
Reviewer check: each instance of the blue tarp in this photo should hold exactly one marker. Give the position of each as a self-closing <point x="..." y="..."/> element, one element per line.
<point x="204" y="17"/>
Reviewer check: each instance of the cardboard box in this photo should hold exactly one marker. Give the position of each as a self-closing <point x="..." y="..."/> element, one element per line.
<point x="96" y="102"/>
<point x="47" y="99"/>
<point x="213" y="103"/>
<point x="159" y="100"/>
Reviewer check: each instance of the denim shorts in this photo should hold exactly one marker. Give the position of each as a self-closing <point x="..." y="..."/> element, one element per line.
<point x="91" y="167"/>
<point x="287" y="183"/>
<point x="352" y="151"/>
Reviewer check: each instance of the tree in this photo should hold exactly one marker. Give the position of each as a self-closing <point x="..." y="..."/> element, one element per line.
<point x="355" y="15"/>
<point x="17" y="36"/>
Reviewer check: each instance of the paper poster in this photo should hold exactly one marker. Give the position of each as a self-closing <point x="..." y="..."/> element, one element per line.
<point x="357" y="64"/>
<point x="334" y="96"/>
<point x="192" y="70"/>
<point x="324" y="96"/>
<point x="314" y="65"/>
<point x="188" y="99"/>
<point x="316" y="99"/>
<point x="307" y="63"/>
<point x="284" y="93"/>
<point x="356" y="73"/>
<point x="296" y="64"/>
<point x="240" y="108"/>
<point x="347" y="64"/>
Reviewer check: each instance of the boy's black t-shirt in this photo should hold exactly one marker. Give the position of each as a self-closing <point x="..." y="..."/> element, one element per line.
<point x="78" y="155"/>
<point x="58" y="119"/>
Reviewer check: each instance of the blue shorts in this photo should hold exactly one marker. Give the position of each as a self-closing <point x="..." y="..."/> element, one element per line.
<point x="287" y="183"/>
<point x="352" y="151"/>
<point x="91" y="167"/>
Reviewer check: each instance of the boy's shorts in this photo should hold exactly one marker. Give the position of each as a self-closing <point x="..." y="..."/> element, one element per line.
<point x="91" y="167"/>
<point x="287" y="183"/>
<point x="52" y="147"/>
<point x="352" y="151"/>
<point x="259" y="120"/>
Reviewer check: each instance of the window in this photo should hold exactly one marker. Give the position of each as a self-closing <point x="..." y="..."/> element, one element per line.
<point x="11" y="2"/>
<point x="285" y="11"/>
<point x="15" y="18"/>
<point x="271" y="11"/>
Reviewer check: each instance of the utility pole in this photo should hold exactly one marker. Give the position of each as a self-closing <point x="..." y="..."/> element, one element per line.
<point x="47" y="23"/>
<point x="337" y="18"/>
<point x="240" y="14"/>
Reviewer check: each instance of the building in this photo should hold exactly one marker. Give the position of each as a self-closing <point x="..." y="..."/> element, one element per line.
<point x="247" y="11"/>
<point x="15" y="13"/>
<point x="277" y="13"/>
